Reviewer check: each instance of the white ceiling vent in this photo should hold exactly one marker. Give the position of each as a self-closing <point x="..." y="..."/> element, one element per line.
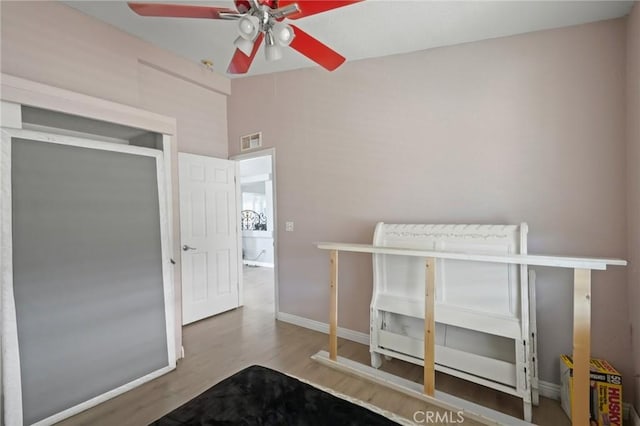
<point x="251" y="141"/>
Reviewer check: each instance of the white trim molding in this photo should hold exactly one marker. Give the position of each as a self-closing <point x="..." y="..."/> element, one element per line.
<point x="264" y="153"/>
<point x="630" y="414"/>
<point x="10" y="115"/>
<point x="549" y="390"/>
<point x="25" y="92"/>
<point x="11" y="385"/>
<point x="552" y="391"/>
<point x="254" y="263"/>
<point x="345" y="333"/>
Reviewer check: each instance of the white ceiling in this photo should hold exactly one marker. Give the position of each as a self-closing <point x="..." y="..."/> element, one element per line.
<point x="369" y="29"/>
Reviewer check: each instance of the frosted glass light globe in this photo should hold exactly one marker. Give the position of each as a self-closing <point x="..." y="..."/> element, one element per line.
<point x="246" y="26"/>
<point x="283" y="33"/>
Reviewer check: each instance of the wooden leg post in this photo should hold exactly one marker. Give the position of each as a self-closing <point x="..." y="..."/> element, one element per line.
<point x="581" y="346"/>
<point x="333" y="310"/>
<point x="429" y="328"/>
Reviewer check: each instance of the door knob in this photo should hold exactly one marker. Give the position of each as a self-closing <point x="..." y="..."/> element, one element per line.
<point x="187" y="248"/>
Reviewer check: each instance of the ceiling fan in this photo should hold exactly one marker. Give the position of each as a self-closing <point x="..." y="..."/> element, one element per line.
<point x="260" y="20"/>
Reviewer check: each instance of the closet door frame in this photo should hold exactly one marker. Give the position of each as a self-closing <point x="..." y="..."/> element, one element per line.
<point x="16" y="92"/>
<point x="11" y="373"/>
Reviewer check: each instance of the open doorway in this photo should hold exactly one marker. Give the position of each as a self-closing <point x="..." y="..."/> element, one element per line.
<point x="258" y="225"/>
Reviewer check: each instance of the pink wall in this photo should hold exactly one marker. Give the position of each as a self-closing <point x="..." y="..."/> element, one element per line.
<point x="51" y="43"/>
<point x="526" y="128"/>
<point x="633" y="181"/>
<point x="531" y="129"/>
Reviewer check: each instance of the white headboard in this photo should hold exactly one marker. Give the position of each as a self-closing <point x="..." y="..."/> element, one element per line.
<point x="488" y="288"/>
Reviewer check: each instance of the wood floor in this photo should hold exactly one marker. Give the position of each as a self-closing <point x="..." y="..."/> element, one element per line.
<point x="220" y="346"/>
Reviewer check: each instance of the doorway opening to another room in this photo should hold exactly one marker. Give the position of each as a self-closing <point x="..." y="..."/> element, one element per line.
<point x="258" y="225"/>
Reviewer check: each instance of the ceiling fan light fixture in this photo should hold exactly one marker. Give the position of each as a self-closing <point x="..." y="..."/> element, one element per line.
<point x="272" y="51"/>
<point x="258" y="21"/>
<point x="245" y="46"/>
<point x="248" y="27"/>
<point x="283" y="33"/>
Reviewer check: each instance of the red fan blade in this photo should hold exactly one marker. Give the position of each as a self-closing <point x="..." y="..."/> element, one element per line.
<point x="240" y="62"/>
<point x="311" y="7"/>
<point x="179" y="10"/>
<point x="315" y="50"/>
<point x="243" y="6"/>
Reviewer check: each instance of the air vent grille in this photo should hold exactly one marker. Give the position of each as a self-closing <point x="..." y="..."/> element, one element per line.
<point x="251" y="141"/>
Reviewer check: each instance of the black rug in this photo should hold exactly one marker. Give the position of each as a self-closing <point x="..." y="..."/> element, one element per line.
<point x="261" y="396"/>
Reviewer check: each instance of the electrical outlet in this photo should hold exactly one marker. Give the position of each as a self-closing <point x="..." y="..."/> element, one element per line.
<point x="288" y="226"/>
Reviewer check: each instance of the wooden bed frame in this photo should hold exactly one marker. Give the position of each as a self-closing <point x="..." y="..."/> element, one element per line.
<point x="483" y="329"/>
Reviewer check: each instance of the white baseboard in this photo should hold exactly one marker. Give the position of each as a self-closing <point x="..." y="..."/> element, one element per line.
<point x="549" y="390"/>
<point x="552" y="391"/>
<point x="254" y="263"/>
<point x="631" y="414"/>
<point x="345" y="333"/>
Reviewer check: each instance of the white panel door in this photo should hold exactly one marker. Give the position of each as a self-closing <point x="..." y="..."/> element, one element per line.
<point x="208" y="224"/>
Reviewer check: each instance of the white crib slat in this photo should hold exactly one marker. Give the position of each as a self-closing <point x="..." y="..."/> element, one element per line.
<point x="475" y="366"/>
<point x="525" y="366"/>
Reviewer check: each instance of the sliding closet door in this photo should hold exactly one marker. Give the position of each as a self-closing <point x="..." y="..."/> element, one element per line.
<point x="89" y="276"/>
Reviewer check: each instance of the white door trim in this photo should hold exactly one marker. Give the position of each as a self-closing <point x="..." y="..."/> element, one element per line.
<point x="255" y="154"/>
<point x="27" y="92"/>
<point x="239" y="236"/>
<point x="11" y="385"/>
<point x="20" y="91"/>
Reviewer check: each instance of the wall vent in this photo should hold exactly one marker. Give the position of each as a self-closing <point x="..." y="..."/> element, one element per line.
<point x="251" y="141"/>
